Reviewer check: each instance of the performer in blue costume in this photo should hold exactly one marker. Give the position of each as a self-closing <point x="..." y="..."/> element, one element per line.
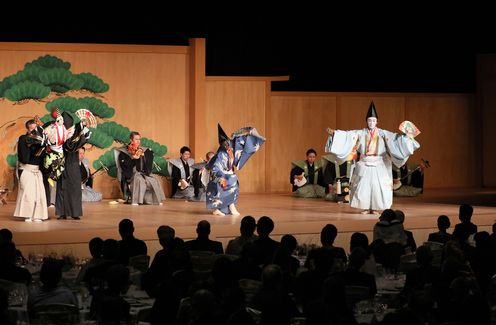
<point x="223" y="186"/>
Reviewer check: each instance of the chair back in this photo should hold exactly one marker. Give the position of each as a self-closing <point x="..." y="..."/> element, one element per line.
<point x="250" y="288"/>
<point x="140" y="262"/>
<point x="55" y="314"/>
<point x="407" y="262"/>
<point x="17" y="292"/>
<point x="436" y="251"/>
<point x="355" y="294"/>
<point x="203" y="261"/>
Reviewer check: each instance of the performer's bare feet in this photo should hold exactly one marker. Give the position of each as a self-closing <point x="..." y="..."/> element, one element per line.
<point x="365" y="212"/>
<point x="375" y="212"/>
<point x="233" y="209"/>
<point x="28" y="220"/>
<point x="218" y="212"/>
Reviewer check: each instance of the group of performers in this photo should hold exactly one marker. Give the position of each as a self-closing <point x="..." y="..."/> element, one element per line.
<point x="48" y="161"/>
<point x="358" y="168"/>
<point x="359" y="165"/>
<point x="51" y="159"/>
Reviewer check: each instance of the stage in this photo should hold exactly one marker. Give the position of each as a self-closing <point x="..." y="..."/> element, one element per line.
<point x="304" y="218"/>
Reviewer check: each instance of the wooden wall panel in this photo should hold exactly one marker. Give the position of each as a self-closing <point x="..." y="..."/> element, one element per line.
<point x="352" y="111"/>
<point x="297" y="123"/>
<point x="448" y="139"/>
<point x="486" y="104"/>
<point x="235" y="104"/>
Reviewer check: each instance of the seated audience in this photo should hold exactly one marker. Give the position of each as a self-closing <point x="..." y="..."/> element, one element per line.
<point x="442" y="236"/>
<point x="129" y="246"/>
<point x="202" y="242"/>
<point x="247" y="230"/>
<point x="51" y="292"/>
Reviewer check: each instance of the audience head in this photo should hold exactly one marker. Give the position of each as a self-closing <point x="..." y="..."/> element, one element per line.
<point x="126" y="228"/>
<point x="5" y="235"/>
<point x="110" y="249"/>
<point x="465" y="213"/>
<point x="443" y="223"/>
<point x="387" y="215"/>
<point x="482" y="239"/>
<point x="272" y="276"/>
<point x="50" y="273"/>
<point x="265" y="225"/>
<point x="248" y="226"/>
<point x="96" y="247"/>
<point x="400" y="215"/>
<point x="357" y="258"/>
<point x="290" y="242"/>
<point x="359" y="239"/>
<point x="423" y="254"/>
<point x="328" y="234"/>
<point x="166" y="235"/>
<point x="203" y="228"/>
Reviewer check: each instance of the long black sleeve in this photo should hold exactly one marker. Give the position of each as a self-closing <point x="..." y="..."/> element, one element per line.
<point x="23" y="152"/>
<point x="176" y="177"/>
<point x="74" y="143"/>
<point x="127" y="165"/>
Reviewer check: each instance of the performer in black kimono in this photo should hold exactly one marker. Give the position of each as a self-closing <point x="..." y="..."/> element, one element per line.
<point x="182" y="175"/>
<point x="31" y="200"/>
<point x="68" y="198"/>
<point x="337" y="179"/>
<point x="408" y="180"/>
<point x="134" y="167"/>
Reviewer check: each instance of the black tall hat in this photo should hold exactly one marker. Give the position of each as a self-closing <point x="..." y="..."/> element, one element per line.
<point x="68" y="119"/>
<point x="372" y="112"/>
<point x="221" y="134"/>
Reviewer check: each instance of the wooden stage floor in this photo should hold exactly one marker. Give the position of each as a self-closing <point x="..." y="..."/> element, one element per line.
<point x="303" y="218"/>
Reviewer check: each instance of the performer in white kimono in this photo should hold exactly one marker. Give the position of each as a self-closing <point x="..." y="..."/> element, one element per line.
<point x="134" y="167"/>
<point x="181" y="172"/>
<point x="87" y="191"/>
<point x="31" y="200"/>
<point x="371" y="187"/>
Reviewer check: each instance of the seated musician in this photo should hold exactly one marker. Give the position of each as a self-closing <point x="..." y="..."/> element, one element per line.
<point x="307" y="178"/>
<point x="337" y="178"/>
<point x="181" y="172"/>
<point x="88" y="193"/>
<point x="408" y="180"/>
<point x="134" y="168"/>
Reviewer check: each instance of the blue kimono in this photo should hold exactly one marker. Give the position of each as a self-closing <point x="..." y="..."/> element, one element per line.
<point x="223" y="186"/>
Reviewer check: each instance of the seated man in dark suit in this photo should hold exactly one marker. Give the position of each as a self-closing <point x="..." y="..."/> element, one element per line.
<point x="465" y="226"/>
<point x="327" y="237"/>
<point x="265" y="247"/>
<point x="442" y="236"/>
<point x="129" y="246"/>
<point x="202" y="242"/>
<point x="353" y="277"/>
